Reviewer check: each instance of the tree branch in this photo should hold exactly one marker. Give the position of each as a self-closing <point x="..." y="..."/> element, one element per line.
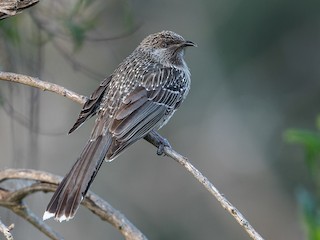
<point x="156" y="140"/>
<point x="42" y="85"/>
<point x="6" y="230"/>
<point x="10" y="8"/>
<point x="153" y="138"/>
<point x="22" y="210"/>
<point x="47" y="182"/>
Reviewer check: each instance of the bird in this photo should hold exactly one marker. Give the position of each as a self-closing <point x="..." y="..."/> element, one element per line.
<point x="139" y="97"/>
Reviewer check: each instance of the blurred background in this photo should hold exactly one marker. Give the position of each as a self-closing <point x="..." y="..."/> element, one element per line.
<point x="255" y="74"/>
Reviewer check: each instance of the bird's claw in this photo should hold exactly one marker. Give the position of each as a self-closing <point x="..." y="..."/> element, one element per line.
<point x="163" y="143"/>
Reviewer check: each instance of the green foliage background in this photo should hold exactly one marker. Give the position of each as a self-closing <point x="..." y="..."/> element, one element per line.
<point x="309" y="196"/>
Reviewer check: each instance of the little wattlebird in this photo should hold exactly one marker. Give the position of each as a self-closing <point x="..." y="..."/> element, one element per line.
<point x="140" y="96"/>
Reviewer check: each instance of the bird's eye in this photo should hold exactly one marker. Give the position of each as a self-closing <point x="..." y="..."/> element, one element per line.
<point x="164" y="44"/>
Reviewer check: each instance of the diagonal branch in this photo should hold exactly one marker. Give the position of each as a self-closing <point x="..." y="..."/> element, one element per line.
<point x="156" y="140"/>
<point x="22" y="210"/>
<point x="153" y="138"/>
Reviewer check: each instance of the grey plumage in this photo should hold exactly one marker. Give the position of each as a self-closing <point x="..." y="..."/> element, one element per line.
<point x="141" y="95"/>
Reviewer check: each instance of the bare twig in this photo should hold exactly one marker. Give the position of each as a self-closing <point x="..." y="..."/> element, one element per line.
<point x="21" y="209"/>
<point x="155" y="139"/>
<point x="10" y="8"/>
<point x="6" y="230"/>
<point x="47" y="182"/>
<point x="107" y="213"/>
<point x="45" y="86"/>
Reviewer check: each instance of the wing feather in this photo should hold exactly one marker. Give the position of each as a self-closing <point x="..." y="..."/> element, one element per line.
<point x="145" y="108"/>
<point x="91" y="106"/>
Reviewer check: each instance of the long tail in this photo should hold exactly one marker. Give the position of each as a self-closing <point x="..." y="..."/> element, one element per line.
<point x="69" y="194"/>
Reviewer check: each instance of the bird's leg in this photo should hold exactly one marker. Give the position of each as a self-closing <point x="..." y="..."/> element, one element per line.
<point x="157" y="140"/>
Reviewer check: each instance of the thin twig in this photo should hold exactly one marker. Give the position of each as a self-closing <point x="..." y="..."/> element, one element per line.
<point x="214" y="191"/>
<point x="155" y="139"/>
<point x="47" y="182"/>
<point x="10" y="8"/>
<point x="6" y="230"/>
<point x="24" y="211"/>
<point x="107" y="213"/>
<point x="45" y="86"/>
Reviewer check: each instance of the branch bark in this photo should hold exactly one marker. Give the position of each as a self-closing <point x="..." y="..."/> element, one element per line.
<point x="10" y="8"/>
<point x="42" y="85"/>
<point x="153" y="138"/>
<point x="6" y="231"/>
<point x="47" y="182"/>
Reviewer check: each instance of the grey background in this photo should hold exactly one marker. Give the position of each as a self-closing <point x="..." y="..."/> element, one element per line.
<point x="254" y="74"/>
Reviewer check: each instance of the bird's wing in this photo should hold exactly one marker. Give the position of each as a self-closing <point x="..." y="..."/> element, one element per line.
<point x="91" y="106"/>
<point x="145" y="108"/>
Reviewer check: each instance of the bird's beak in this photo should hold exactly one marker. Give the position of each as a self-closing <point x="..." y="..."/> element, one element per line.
<point x="189" y="44"/>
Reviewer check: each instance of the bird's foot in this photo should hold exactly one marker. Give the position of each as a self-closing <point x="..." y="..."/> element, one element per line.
<point x="163" y="143"/>
<point x="157" y="140"/>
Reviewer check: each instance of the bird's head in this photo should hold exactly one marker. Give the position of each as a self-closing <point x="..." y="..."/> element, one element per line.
<point x="167" y="47"/>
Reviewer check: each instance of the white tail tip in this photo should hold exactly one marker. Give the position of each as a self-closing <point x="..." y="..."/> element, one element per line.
<point x="47" y="215"/>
